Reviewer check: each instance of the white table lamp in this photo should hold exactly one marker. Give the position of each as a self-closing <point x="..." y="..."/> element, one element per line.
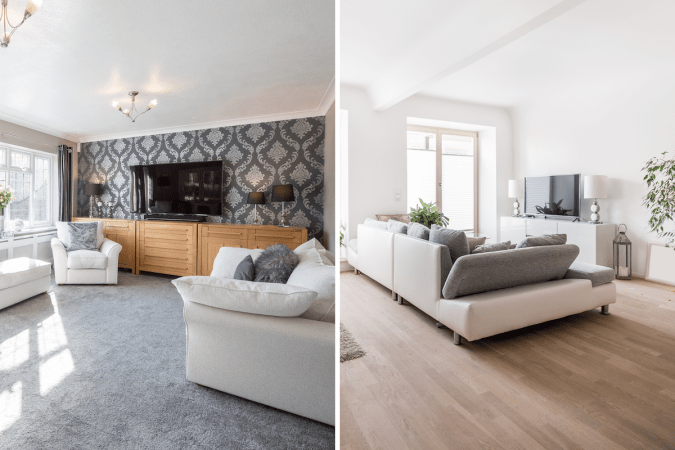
<point x="595" y="187"/>
<point x="516" y="191"/>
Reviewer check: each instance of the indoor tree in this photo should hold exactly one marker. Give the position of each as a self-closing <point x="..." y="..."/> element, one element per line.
<point x="660" y="199"/>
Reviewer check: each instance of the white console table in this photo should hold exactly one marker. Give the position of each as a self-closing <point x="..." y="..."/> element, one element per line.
<point x="595" y="242"/>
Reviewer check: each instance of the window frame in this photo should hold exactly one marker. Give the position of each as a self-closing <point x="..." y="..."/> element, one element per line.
<point x="8" y="169"/>
<point x="439" y="132"/>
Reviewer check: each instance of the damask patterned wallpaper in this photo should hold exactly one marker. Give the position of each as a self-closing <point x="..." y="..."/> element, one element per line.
<point x="255" y="157"/>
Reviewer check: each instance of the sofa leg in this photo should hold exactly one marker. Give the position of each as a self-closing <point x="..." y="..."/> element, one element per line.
<point x="604" y="310"/>
<point x="356" y="271"/>
<point x="440" y="325"/>
<point x="457" y="338"/>
<point x="393" y="295"/>
<point x="400" y="299"/>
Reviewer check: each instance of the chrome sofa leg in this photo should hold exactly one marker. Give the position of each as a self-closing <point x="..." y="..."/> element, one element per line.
<point x="604" y="310"/>
<point x="457" y="338"/>
<point x="400" y="299"/>
<point x="393" y="295"/>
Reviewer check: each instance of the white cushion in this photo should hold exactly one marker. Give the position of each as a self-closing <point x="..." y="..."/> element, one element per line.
<point x="312" y="274"/>
<point x="87" y="259"/>
<point x="16" y="271"/>
<point x="326" y="256"/>
<point x="63" y="235"/>
<point x="228" y="258"/>
<point x="269" y="299"/>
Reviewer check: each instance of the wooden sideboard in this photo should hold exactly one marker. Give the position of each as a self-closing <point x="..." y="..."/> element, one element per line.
<point x="187" y="248"/>
<point x="122" y="231"/>
<point x="213" y="236"/>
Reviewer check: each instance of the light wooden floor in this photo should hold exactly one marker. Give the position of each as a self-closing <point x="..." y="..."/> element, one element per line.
<point x="584" y="382"/>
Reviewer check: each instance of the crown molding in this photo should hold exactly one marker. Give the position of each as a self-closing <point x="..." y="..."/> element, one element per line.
<point x="328" y="98"/>
<point x="36" y="127"/>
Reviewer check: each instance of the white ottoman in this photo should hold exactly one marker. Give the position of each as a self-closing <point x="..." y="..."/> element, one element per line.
<point x="22" y="278"/>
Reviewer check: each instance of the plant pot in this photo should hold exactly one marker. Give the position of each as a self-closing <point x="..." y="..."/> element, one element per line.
<point x="2" y="220"/>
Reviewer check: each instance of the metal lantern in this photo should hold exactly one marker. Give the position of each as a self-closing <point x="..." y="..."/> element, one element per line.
<point x="623" y="252"/>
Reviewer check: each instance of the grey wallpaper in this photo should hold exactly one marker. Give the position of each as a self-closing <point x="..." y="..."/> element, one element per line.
<point x="254" y="156"/>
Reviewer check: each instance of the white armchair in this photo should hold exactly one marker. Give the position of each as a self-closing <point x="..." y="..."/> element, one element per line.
<point x="86" y="266"/>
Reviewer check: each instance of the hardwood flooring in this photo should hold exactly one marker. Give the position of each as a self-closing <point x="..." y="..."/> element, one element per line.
<point x="583" y="382"/>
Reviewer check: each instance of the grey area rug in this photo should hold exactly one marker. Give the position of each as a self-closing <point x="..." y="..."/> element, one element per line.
<point x="349" y="348"/>
<point x="103" y="367"/>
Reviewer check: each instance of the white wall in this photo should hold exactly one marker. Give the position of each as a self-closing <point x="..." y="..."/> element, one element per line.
<point x="329" y="182"/>
<point x="377" y="155"/>
<point x="609" y="132"/>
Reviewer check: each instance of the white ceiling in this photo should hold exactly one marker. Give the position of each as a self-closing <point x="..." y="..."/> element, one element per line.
<point x="542" y="49"/>
<point x="206" y="62"/>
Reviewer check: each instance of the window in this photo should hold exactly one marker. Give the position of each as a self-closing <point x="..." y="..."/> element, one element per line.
<point x="442" y="168"/>
<point x="30" y="175"/>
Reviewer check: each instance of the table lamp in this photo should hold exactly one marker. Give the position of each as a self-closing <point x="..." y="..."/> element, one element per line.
<point x="92" y="190"/>
<point x="595" y="187"/>
<point x="256" y="198"/>
<point x="283" y="193"/>
<point x="516" y="191"/>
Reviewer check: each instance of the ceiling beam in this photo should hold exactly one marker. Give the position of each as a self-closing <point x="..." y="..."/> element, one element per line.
<point x="459" y="42"/>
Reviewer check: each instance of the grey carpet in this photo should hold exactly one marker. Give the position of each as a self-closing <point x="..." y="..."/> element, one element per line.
<point x="127" y="388"/>
<point x="349" y="348"/>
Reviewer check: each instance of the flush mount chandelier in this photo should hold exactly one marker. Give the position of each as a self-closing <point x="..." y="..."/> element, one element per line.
<point x="133" y="113"/>
<point x="31" y="8"/>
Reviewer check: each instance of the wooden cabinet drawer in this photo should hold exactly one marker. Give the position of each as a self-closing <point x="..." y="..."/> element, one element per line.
<point x="167" y="247"/>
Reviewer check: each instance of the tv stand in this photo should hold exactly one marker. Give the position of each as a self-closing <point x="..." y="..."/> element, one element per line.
<point x="176" y="217"/>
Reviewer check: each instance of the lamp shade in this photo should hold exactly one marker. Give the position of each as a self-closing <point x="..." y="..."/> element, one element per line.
<point x="256" y="198"/>
<point x="515" y="188"/>
<point x="93" y="189"/>
<point x="283" y="193"/>
<point x="595" y="186"/>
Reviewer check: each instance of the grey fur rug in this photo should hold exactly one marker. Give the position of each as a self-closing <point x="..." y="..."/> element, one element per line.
<point x="349" y="348"/>
<point x="103" y="367"/>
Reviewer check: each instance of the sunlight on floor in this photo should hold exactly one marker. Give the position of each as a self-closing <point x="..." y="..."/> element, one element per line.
<point x="51" y="335"/>
<point x="54" y="370"/>
<point x="10" y="406"/>
<point x="14" y="351"/>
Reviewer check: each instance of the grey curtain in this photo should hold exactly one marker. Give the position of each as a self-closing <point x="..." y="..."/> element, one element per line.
<point x="65" y="183"/>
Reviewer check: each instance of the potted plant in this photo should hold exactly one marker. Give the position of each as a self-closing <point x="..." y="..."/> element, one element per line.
<point x="428" y="214"/>
<point x="660" y="199"/>
<point x="5" y="199"/>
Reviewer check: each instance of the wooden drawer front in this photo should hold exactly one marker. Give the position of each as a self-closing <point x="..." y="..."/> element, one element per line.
<point x="214" y="236"/>
<point x="119" y="225"/>
<point x="127" y="240"/>
<point x="263" y="238"/>
<point x="169" y="248"/>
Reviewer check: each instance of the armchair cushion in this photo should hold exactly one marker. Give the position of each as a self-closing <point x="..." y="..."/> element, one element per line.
<point x="87" y="259"/>
<point x="78" y="235"/>
<point x="269" y="299"/>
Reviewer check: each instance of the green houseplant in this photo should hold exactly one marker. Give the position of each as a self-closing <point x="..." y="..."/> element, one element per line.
<point x="660" y="199"/>
<point x="428" y="214"/>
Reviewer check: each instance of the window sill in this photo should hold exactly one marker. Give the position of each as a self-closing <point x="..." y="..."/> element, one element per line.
<point x="31" y="232"/>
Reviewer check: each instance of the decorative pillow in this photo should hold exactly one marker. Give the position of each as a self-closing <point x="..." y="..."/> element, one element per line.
<point x="474" y="241"/>
<point x="245" y="270"/>
<point x="405" y="218"/>
<point x="455" y="241"/>
<point x="375" y="224"/>
<point x="246" y="296"/>
<point x="326" y="256"/>
<point x="78" y="235"/>
<point x="418" y="230"/>
<point x="228" y="258"/>
<point x="487" y="248"/>
<point x="397" y="227"/>
<point x="543" y="240"/>
<point x="313" y="275"/>
<point x="275" y="264"/>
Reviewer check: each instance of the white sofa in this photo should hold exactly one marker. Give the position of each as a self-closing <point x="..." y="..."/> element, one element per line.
<point x="250" y="351"/>
<point x="375" y="255"/>
<point x="23" y="278"/>
<point x="86" y="266"/>
<point x="490" y="293"/>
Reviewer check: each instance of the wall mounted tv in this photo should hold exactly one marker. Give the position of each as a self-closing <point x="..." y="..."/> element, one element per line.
<point x="557" y="195"/>
<point x="178" y="188"/>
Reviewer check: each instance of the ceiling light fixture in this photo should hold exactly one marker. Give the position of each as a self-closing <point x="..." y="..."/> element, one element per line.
<point x="31" y="8"/>
<point x="133" y="113"/>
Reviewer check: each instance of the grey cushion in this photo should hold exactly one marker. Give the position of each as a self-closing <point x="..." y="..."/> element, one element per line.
<point x="455" y="241"/>
<point x="486" y="272"/>
<point x="397" y="227"/>
<point x="419" y="231"/>
<point x="446" y="260"/>
<point x="496" y="247"/>
<point x="375" y="224"/>
<point x="544" y="239"/>
<point x="354" y="244"/>
<point x="78" y="235"/>
<point x="475" y="241"/>
<point x="598" y="275"/>
<point x="275" y="264"/>
<point x="245" y="270"/>
<point x="512" y="246"/>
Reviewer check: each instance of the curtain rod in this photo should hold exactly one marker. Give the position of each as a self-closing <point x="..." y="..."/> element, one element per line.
<point x="2" y="133"/>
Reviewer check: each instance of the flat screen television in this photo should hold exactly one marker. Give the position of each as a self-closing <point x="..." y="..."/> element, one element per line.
<point x="178" y="188"/>
<point x="557" y="195"/>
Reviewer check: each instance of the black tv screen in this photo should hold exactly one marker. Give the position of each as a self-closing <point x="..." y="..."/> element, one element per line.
<point x="179" y="188"/>
<point x="556" y="195"/>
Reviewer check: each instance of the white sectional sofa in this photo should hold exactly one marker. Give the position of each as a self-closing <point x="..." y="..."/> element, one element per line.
<point x="375" y="256"/>
<point x="489" y="293"/>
